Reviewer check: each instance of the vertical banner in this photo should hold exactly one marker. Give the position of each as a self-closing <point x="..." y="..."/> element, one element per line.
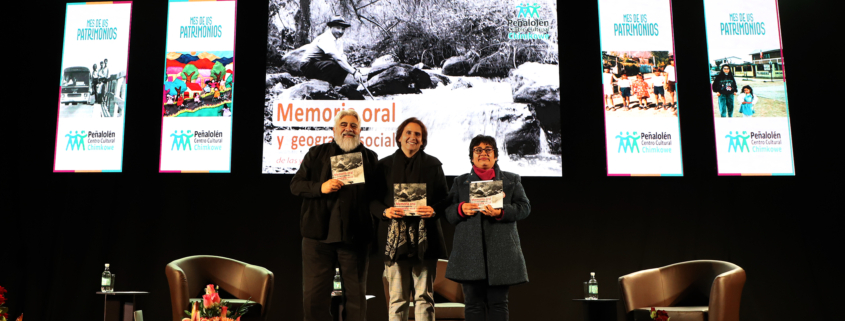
<point x="639" y="85"/>
<point x="92" y="88"/>
<point x="500" y="80"/>
<point x="748" y="84"/>
<point x="198" y="92"/>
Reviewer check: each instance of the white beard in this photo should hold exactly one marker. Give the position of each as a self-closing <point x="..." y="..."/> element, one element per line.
<point x="347" y="144"/>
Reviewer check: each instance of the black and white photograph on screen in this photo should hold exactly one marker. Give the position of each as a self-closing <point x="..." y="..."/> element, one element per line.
<point x="90" y="88"/>
<point x="348" y="168"/>
<point x="466" y="67"/>
<point x="487" y="193"/>
<point x="409" y="196"/>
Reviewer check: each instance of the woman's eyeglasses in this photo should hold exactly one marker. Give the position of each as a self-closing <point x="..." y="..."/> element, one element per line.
<point x="479" y="151"/>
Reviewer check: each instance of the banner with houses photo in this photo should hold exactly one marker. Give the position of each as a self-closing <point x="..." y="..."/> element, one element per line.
<point x="197" y="98"/>
<point x="462" y="67"/>
<point x="92" y="88"/>
<point x="640" y="88"/>
<point x="748" y="86"/>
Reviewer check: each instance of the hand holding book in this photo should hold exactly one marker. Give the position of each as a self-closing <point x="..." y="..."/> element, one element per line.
<point x="490" y="211"/>
<point x="425" y="211"/>
<point x="393" y="212"/>
<point x="331" y="186"/>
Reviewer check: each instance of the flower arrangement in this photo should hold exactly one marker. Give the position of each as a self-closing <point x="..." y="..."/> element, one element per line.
<point x="659" y="315"/>
<point x="213" y="308"/>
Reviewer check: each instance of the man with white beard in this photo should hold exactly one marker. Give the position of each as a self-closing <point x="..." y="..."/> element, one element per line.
<point x="337" y="228"/>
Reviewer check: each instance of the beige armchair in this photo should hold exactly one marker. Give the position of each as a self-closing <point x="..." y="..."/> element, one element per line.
<point x="188" y="276"/>
<point x="702" y="290"/>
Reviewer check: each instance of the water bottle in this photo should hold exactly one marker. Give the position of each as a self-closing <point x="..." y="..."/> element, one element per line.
<point x="106" y="281"/>
<point x="594" y="287"/>
<point x="338" y="285"/>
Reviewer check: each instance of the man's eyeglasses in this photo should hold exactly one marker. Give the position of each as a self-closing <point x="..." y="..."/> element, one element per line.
<point x="479" y="151"/>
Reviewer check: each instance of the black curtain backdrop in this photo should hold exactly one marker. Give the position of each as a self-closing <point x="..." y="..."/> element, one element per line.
<point x="62" y="228"/>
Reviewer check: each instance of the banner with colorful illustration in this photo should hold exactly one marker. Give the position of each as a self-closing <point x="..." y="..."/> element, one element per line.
<point x="92" y="87"/>
<point x="198" y="91"/>
<point x="500" y="80"/>
<point x="748" y="85"/>
<point x="640" y="88"/>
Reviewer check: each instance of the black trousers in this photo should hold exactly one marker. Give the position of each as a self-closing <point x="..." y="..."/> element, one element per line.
<point x="326" y="70"/>
<point x="318" y="263"/>
<point x="481" y="299"/>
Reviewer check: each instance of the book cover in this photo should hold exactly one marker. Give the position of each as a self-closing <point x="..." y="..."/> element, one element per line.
<point x="486" y="193"/>
<point x="348" y="168"/>
<point x="409" y="196"/>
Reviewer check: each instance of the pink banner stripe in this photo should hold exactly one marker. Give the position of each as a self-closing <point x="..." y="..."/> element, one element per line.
<point x="58" y="117"/>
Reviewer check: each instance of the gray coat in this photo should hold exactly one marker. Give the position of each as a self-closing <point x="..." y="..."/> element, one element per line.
<point x="498" y="257"/>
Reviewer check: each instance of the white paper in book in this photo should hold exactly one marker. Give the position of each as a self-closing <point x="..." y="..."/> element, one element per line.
<point x="348" y="168"/>
<point x="409" y="196"/>
<point x="486" y="193"/>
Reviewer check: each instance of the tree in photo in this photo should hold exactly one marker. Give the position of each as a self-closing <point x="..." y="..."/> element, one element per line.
<point x="176" y="87"/>
<point x="190" y="73"/>
<point x="218" y="71"/>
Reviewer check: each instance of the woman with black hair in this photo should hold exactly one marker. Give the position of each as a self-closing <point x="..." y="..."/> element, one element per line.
<point x="725" y="88"/>
<point x="414" y="243"/>
<point x="486" y="253"/>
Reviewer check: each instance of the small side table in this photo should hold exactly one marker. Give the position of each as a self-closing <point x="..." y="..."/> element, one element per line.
<point x="599" y="310"/>
<point x="122" y="303"/>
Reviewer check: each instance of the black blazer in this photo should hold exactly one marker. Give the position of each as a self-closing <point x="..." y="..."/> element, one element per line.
<point x="436" y="195"/>
<point x="316" y="206"/>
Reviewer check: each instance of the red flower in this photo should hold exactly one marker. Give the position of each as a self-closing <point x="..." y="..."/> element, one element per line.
<point x="2" y="299"/>
<point x="2" y="290"/>
<point x="223" y="311"/>
<point x="209" y="289"/>
<point x="209" y="300"/>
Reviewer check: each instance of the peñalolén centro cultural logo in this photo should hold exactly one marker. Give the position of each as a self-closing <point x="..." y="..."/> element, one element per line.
<point x="651" y="142"/>
<point x="200" y="140"/>
<point x="754" y="142"/>
<point x="96" y="140"/>
<point x="528" y="24"/>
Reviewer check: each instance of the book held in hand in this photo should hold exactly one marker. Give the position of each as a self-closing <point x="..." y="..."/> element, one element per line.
<point x="486" y="193"/>
<point x="409" y="196"/>
<point x="348" y="168"/>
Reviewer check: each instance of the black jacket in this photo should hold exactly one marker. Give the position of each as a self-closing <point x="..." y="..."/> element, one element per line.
<point x="314" y="216"/>
<point x="485" y="248"/>
<point x="722" y="81"/>
<point x="436" y="197"/>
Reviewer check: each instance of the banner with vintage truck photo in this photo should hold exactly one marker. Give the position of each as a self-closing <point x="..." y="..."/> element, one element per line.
<point x="92" y="89"/>
<point x="462" y="67"/>
<point x="748" y="85"/>
<point x="640" y="88"/>
<point x="199" y="83"/>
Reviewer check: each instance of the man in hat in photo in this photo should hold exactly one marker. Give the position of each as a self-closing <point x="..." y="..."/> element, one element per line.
<point x="324" y="57"/>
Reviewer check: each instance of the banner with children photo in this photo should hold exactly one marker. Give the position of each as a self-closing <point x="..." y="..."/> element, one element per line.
<point x="198" y="90"/>
<point x="640" y="88"/>
<point x="748" y="84"/>
<point x="92" y="88"/>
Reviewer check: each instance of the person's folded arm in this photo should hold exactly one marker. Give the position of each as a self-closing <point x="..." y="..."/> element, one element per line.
<point x="519" y="207"/>
<point x="452" y="214"/>
<point x="377" y="205"/>
<point x="300" y="185"/>
<point x="441" y="196"/>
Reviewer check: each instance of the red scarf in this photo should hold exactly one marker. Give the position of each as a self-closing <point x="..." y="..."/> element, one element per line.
<point x="484" y="174"/>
